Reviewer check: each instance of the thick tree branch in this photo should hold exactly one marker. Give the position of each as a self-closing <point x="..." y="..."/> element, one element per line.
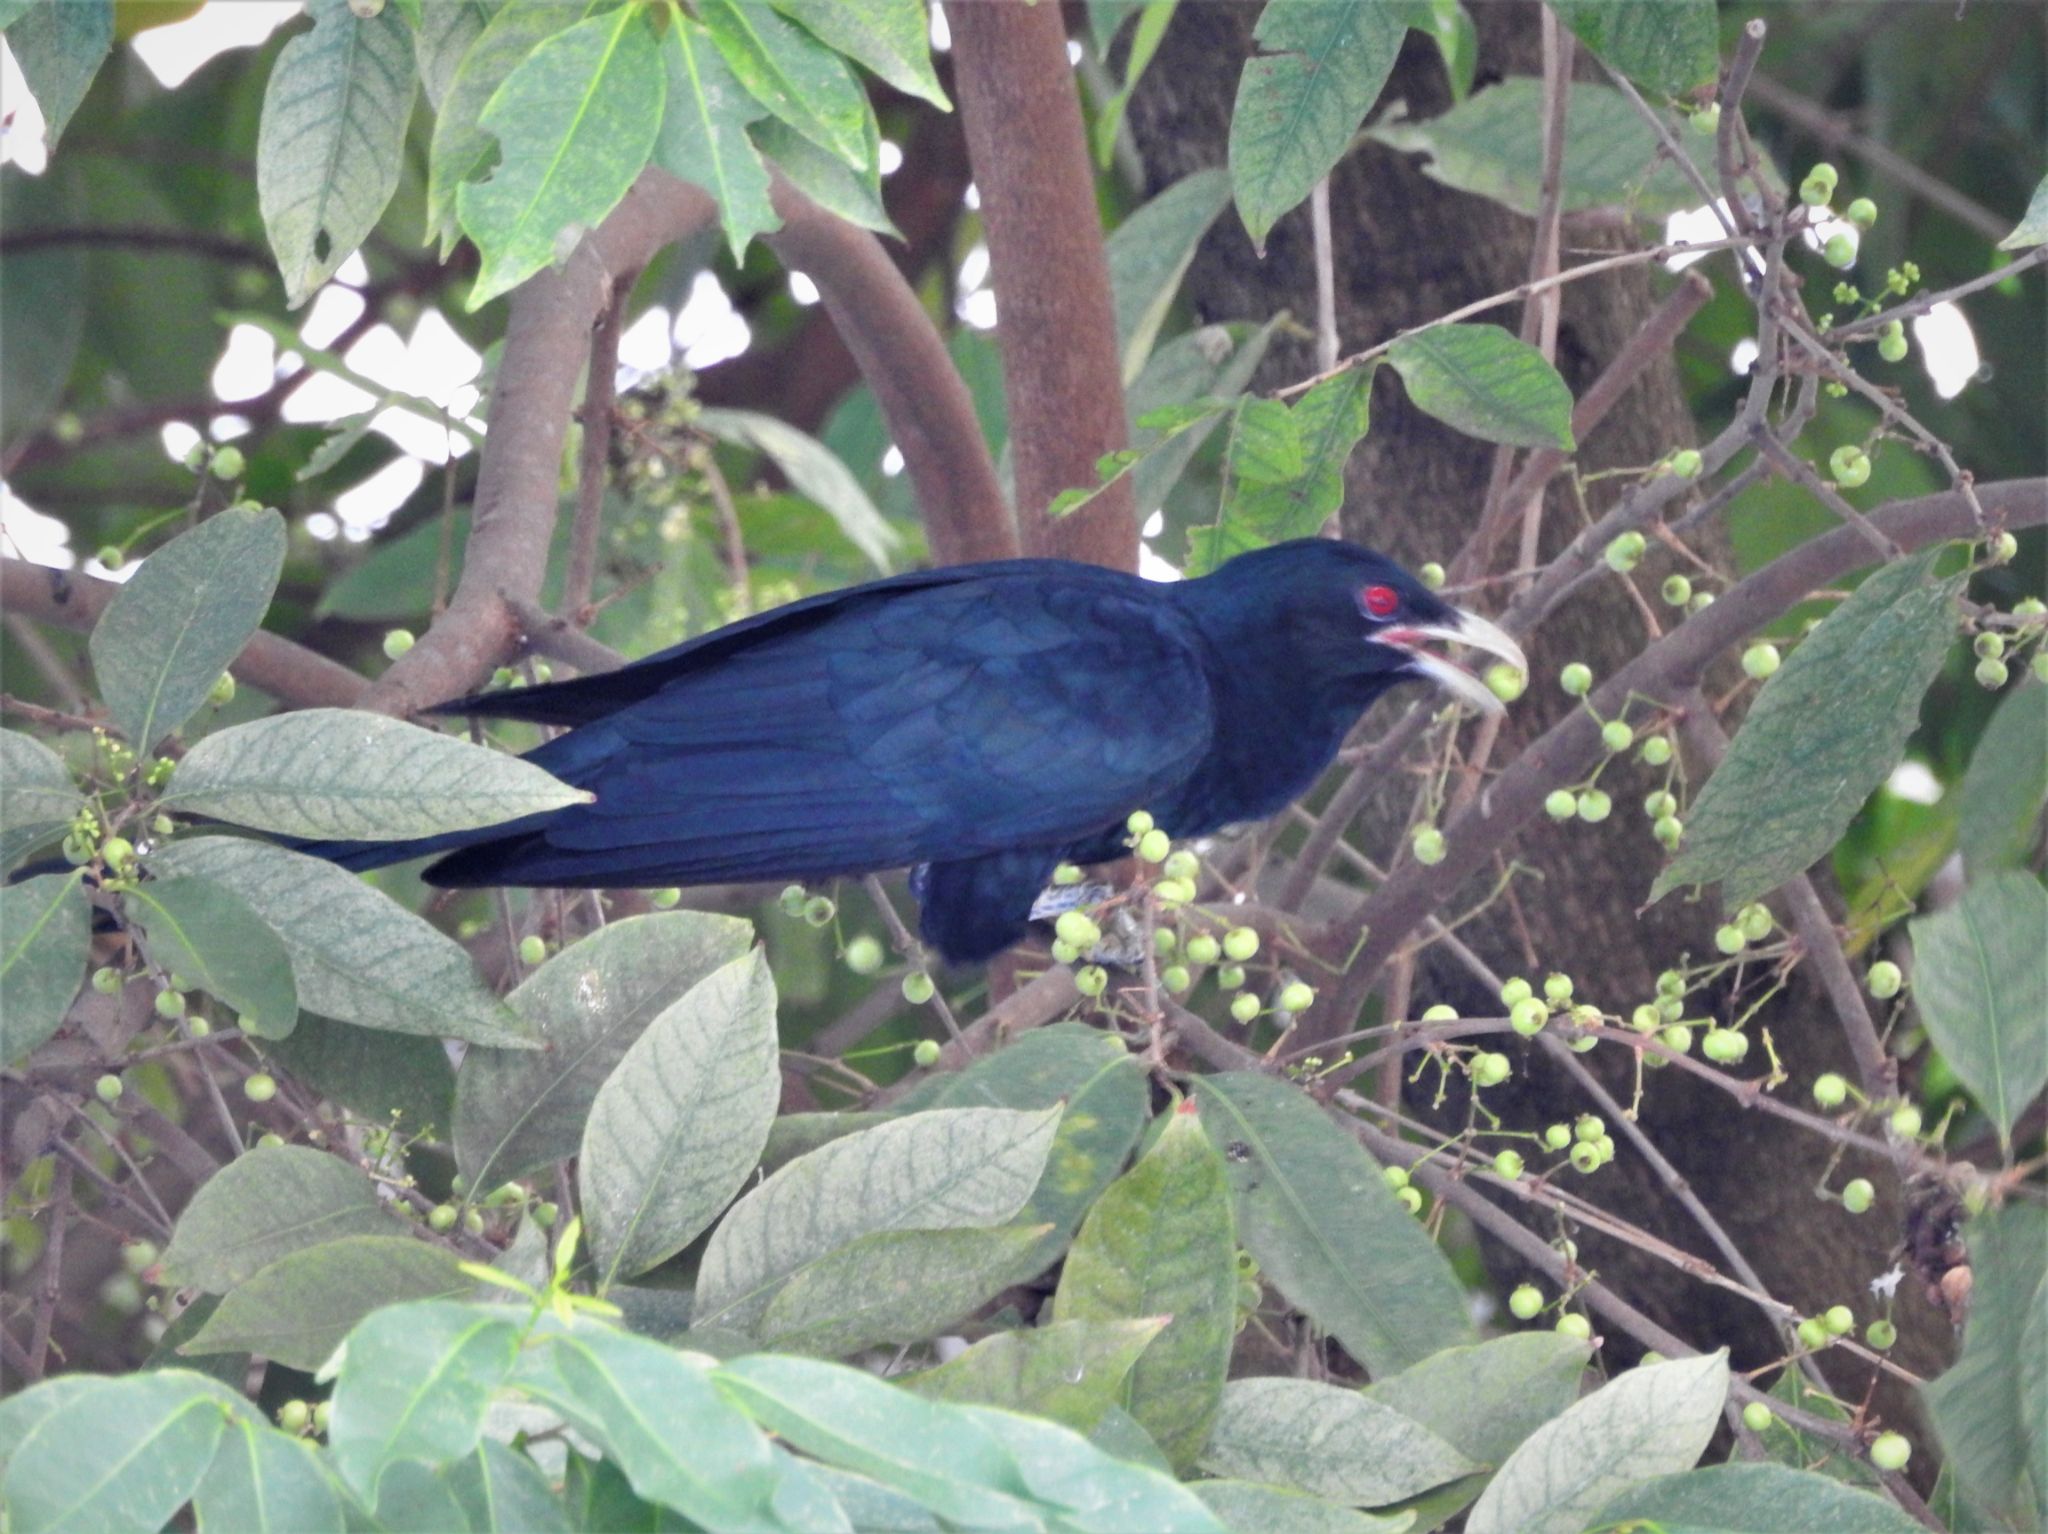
<point x="904" y="360"/>
<point x="1054" y="317"/>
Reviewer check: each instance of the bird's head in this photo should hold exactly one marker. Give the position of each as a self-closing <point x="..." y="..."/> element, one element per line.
<point x="1360" y="621"/>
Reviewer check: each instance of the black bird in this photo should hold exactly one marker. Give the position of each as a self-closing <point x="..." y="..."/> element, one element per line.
<point x="979" y="723"/>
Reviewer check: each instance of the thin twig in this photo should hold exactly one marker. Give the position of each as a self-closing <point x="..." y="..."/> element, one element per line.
<point x="1326" y="275"/>
<point x="600" y="387"/>
<point x="1920" y="303"/>
<point x="58" y="1208"/>
<point x="907" y="944"/>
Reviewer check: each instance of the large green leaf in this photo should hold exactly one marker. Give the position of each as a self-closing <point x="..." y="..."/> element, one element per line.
<point x="1161" y="1242"/>
<point x="1824" y="732"/>
<point x="1492" y="145"/>
<point x="678" y="1126"/>
<point x="1213" y="362"/>
<point x="461" y="150"/>
<point x="264" y="1205"/>
<point x="703" y="136"/>
<point x="1980" y="976"/>
<point x="2031" y="230"/>
<point x="795" y="76"/>
<point x="60" y="45"/>
<point x="1487" y="383"/>
<point x="208" y="934"/>
<point x="855" y="196"/>
<point x="1327" y="1441"/>
<point x="332" y="140"/>
<point x="266" y="1482"/>
<point x="1083" y="1487"/>
<point x="297" y="1310"/>
<point x="1068" y="1371"/>
<point x="1978" y="1408"/>
<point x="1485" y="1399"/>
<point x="1247" y="1507"/>
<point x="931" y="1171"/>
<point x="575" y="123"/>
<point x="45" y="940"/>
<point x="1150" y="252"/>
<point x="518" y="1110"/>
<point x="344" y="773"/>
<point x="1300" y="102"/>
<point x="1666" y="46"/>
<point x="896" y="1287"/>
<point x="1654" y="1420"/>
<point x="2006" y="784"/>
<point x="1754" y="1499"/>
<point x="415" y="1386"/>
<point x="446" y="32"/>
<point x="891" y="37"/>
<point x="377" y="1074"/>
<point x="356" y="954"/>
<point x="1327" y="1233"/>
<point x="169" y="633"/>
<point x="126" y="1454"/>
<point x="491" y="1490"/>
<point x="41" y="312"/>
<point x="814" y="470"/>
<point x="37" y="796"/>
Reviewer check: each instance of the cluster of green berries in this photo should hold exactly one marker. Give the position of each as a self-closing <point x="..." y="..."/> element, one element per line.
<point x="1752" y="924"/>
<point x="1891" y="341"/>
<point x="297" y="1417"/>
<point x="1406" y="1194"/>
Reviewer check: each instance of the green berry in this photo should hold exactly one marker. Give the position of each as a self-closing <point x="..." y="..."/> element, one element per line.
<point x="1173" y="892"/>
<point x="398" y="642"/>
<point x="269" y="1141"/>
<point x="1840" y="1320"/>
<point x="1395" y="1177"/>
<point x="1572" y="1324"/>
<point x="138" y="1256"/>
<point x="864" y="954"/>
<point x="1840" y="250"/>
<point x="918" y="988"/>
<point x="1428" y="846"/>
<point x="1561" y="804"/>
<point x="532" y="949"/>
<point x="1296" y="997"/>
<point x="1686" y="463"/>
<point x="1755" y="922"/>
<point x="1528" y="1017"/>
<point x="1175" y="978"/>
<point x="1164" y="940"/>
<point x="118" y="852"/>
<point x="1508" y="1164"/>
<point x="1526" y="1303"/>
<point x="1557" y="1136"/>
<point x="1595" y="805"/>
<point x="1862" y="212"/>
<point x="1077" y="930"/>
<point x="1677" y="591"/>
<point x="170" y="1004"/>
<point x="1884" y="979"/>
<point x="1490" y="1070"/>
<point x="1881" y="1334"/>
<point x="1815" y="192"/>
<point x="1992" y="674"/>
<point x="108" y="1089"/>
<point x="1585" y="1157"/>
<point x="1616" y="736"/>
<point x="1203" y="949"/>
<point x="260" y="1088"/>
<point x="2000" y="547"/>
<point x="819" y="910"/>
<point x="1432" y="575"/>
<point x="1905" y="1121"/>
<point x="1588" y="1127"/>
<point x="1858" y="1195"/>
<point x="1830" y="1090"/>
<point x="1239" y="944"/>
<point x="442" y="1217"/>
<point x="1244" y="1006"/>
<point x="1708" y="118"/>
<point x="1625" y="552"/>
<point x="925" y="1053"/>
<point x="1515" y="991"/>
<point x="295" y="1416"/>
<point x="1850" y="465"/>
<point x="1439" y="1014"/>
<point x="111" y="557"/>
<point x="473" y="1221"/>
<point x="1505" y="682"/>
<point x="1154" y="845"/>
<point x="222" y="692"/>
<point x="1890" y="1451"/>
<point x="1893" y="346"/>
<point x="1659" y="803"/>
<point x="791" y="900"/>
<point x="1724" y="1046"/>
<point x="1091" y="980"/>
<point x="106" y="980"/>
<point x="1576" y="679"/>
<point x="1729" y="939"/>
<point x="1409" y="1199"/>
<point x="1064" y="952"/>
<point x="1138" y="822"/>
<point x="1669" y="831"/>
<point x="228" y="463"/>
<point x="1676" y="1038"/>
<point x="1230" y="977"/>
<point x="1066" y="873"/>
<point x="1557" y="989"/>
<point x="1756" y="1416"/>
<point x="1761" y="661"/>
<point x="199" y="1027"/>
<point x="545" y="1213"/>
<point x="1812" y="1334"/>
<point x="1646" y="1018"/>
<point x="1182" y="864"/>
<point x="1989" y="646"/>
<point x="1656" y="750"/>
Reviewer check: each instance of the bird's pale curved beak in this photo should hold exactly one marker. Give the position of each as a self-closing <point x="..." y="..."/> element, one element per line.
<point x="1468" y="629"/>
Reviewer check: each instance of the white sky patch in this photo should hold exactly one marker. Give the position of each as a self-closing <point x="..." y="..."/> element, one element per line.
<point x="1743" y="356"/>
<point x="977" y="302"/>
<point x="1073" y="51"/>
<point x="1701" y="223"/>
<point x="323" y="526"/>
<point x="247" y="366"/>
<point x="177" y="52"/>
<point x="226" y="428"/>
<point x="708" y="328"/>
<point x="1948" y="348"/>
<point x="27" y="534"/>
<point x="21" y="120"/>
<point x="354" y="271"/>
<point x="1911" y="781"/>
<point x="974" y="268"/>
<point x="1153" y="568"/>
<point x="889" y="157"/>
<point x="973" y="197"/>
<point x="979" y="309"/>
<point x="644" y="345"/>
<point x="802" y="289"/>
<point x="179" y="438"/>
<point x="942" y="35"/>
<point x="368" y="506"/>
<point x="335" y="308"/>
<point x="892" y="461"/>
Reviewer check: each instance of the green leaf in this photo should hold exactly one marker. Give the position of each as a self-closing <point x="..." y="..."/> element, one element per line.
<point x="1328" y="1442"/>
<point x="575" y="123"/>
<point x="930" y="1171"/>
<point x="677" y="1128"/>
<point x="1070" y="1372"/>
<point x="891" y="37"/>
<point x="1754" y="1499"/>
<point x="1161" y="1242"/>
<point x="1487" y="383"/>
<point x="356" y="954"/>
<point x="2006" y="784"/>
<point x="1979" y="1412"/>
<point x="795" y="76"/>
<point x="1314" y="1210"/>
<point x="1665" y="46"/>
<point x="1492" y="145"/>
<point x="297" y="1310"/>
<point x="415" y="1384"/>
<point x="855" y="196"/>
<point x="40" y="309"/>
<point x="207" y="933"/>
<point x="2031" y="230"/>
<point x="492" y="1490"/>
<point x="703" y="137"/>
<point x="37" y="795"/>
<point x="1449" y="26"/>
<point x="21" y="1411"/>
<point x="1822" y="734"/>
<point x="659" y="1418"/>
<point x="344" y="773"/>
<point x="1249" y="1508"/>
<point x="1485" y="1399"/>
<point x="1153" y="21"/>
<point x="267" y="1204"/>
<point x="45" y="941"/>
<point x="1150" y="252"/>
<point x="332" y="140"/>
<point x="169" y="633"/>
<point x="2032" y="1388"/>
<point x="1211" y="363"/>
<point x="1086" y="1489"/>
<point x="1980" y="977"/>
<point x="461" y="149"/>
<point x="126" y="1454"/>
<point x="814" y="471"/>
<point x="896" y="1287"/>
<point x="377" y="1074"/>
<point x="1265" y="506"/>
<point x="266" y="1482"/>
<point x="60" y="46"/>
<point x="870" y="1506"/>
<point x="445" y="34"/>
<point x="1653" y="1420"/>
<point x="1299" y="103"/>
<point x="518" y="1110"/>
<point x="1107" y="1103"/>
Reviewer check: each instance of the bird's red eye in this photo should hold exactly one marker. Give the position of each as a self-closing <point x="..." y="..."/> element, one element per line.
<point x="1380" y="601"/>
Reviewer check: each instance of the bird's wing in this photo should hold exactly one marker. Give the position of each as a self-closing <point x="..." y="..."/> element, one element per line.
<point x="939" y="722"/>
